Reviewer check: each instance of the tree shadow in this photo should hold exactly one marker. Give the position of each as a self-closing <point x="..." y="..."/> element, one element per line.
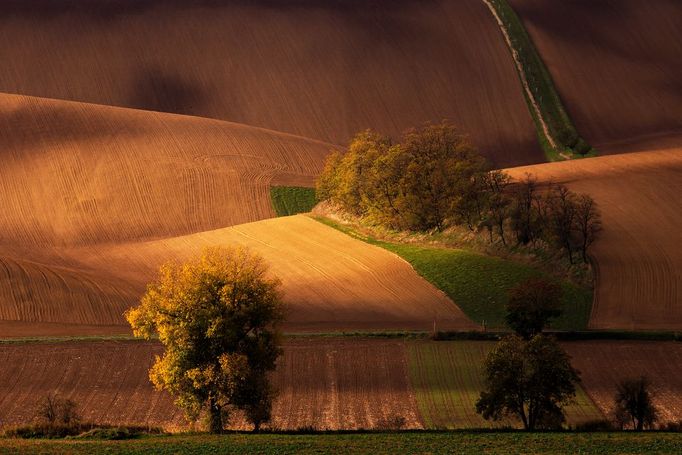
<point x="156" y="90"/>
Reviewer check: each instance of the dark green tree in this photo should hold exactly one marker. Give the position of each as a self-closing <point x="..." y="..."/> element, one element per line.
<point x="532" y="304"/>
<point x="530" y="380"/>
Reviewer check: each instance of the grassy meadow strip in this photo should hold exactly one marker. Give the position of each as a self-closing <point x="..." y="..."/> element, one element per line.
<point x="541" y="91"/>
<point x="290" y="200"/>
<point x="447" y="378"/>
<point x="475" y="443"/>
<point x="479" y="284"/>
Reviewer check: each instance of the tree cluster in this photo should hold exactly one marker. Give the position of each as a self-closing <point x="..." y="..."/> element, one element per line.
<point x="215" y="317"/>
<point x="434" y="178"/>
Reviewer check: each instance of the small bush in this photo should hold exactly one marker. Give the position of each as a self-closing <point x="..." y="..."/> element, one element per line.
<point x="391" y="422"/>
<point x="53" y="410"/>
<point x="672" y="426"/>
<point x="79" y="431"/>
<point x="594" y="425"/>
<point x="582" y="147"/>
<point x="45" y="431"/>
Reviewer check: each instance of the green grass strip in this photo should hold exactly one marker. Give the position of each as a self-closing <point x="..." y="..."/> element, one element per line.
<point x="476" y="443"/>
<point x="290" y="200"/>
<point x="479" y="284"/>
<point x="544" y="93"/>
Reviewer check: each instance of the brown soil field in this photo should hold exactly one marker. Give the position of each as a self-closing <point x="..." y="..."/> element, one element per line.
<point x="75" y="173"/>
<point x="330" y="281"/>
<point x="326" y="384"/>
<point x="95" y="198"/>
<point x="603" y="364"/>
<point x="617" y="64"/>
<point x="316" y="68"/>
<point x="638" y="256"/>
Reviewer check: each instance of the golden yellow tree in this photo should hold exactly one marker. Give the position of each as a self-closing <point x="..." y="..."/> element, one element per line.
<point x="216" y="317"/>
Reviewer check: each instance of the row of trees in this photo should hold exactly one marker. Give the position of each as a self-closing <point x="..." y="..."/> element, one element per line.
<point x="434" y="178"/>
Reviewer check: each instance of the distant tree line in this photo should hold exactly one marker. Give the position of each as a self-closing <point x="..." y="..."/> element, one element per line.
<point x="434" y="178"/>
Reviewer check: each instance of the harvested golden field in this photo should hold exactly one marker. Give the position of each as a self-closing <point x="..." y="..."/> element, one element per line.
<point x="604" y="363"/>
<point x="317" y="68"/>
<point x="638" y="257"/>
<point x="326" y="384"/>
<point x="77" y="174"/>
<point x="330" y="280"/>
<point x="617" y="64"/>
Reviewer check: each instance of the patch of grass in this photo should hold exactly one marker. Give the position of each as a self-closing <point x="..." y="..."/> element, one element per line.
<point x="290" y="200"/>
<point x="479" y="284"/>
<point x="370" y="443"/>
<point x="448" y="377"/>
<point x="560" y="125"/>
<point x="69" y="339"/>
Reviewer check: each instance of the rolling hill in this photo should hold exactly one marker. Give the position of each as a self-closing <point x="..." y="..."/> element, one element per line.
<point x="617" y="64"/>
<point x="638" y="257"/>
<point x="316" y="68"/>
<point x="76" y="173"/>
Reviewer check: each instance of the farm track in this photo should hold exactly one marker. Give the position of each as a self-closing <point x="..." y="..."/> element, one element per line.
<point x="320" y="69"/>
<point x="638" y="256"/>
<point x="604" y="364"/>
<point x="617" y="65"/>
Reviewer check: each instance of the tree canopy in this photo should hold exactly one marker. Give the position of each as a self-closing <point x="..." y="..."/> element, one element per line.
<point x="530" y="380"/>
<point x="634" y="404"/>
<point x="532" y="304"/>
<point x="216" y="317"/>
<point x="434" y="178"/>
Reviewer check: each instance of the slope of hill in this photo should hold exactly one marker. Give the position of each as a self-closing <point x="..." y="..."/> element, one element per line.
<point x="317" y="68"/>
<point x="617" y="65"/>
<point x="75" y="173"/>
<point x="638" y="257"/>
<point x="330" y="281"/>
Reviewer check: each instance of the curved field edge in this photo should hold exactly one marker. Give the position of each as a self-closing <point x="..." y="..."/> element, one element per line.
<point x="556" y="132"/>
<point x="478" y="284"/>
<point x="474" y="443"/>
<point x="292" y="200"/>
<point x="447" y="377"/>
<point x="637" y="256"/>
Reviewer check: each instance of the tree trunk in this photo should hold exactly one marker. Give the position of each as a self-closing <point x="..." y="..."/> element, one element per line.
<point x="256" y="426"/>
<point x="215" y="418"/>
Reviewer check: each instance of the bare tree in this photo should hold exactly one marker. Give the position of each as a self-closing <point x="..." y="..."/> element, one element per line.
<point x="587" y="222"/>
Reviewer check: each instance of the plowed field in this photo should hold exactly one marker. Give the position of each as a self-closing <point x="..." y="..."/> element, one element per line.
<point x="330" y="280"/>
<point x="316" y="68"/>
<point x="334" y="384"/>
<point x="638" y="257"/>
<point x="604" y="364"/>
<point x="617" y="64"/>
<point x="75" y="173"/>
<point x="448" y="378"/>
